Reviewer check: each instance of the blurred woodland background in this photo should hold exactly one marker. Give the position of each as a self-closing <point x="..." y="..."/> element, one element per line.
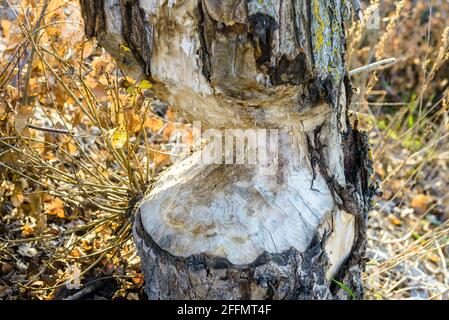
<point x="79" y="139"/>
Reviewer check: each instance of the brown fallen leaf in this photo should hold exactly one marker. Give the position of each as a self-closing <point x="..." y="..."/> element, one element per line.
<point x="421" y="203"/>
<point x="6" y="27"/>
<point x="56" y="208"/>
<point x="395" y="221"/>
<point x="27" y="230"/>
<point x="154" y="124"/>
<point x="22" y="117"/>
<point x="6" y="268"/>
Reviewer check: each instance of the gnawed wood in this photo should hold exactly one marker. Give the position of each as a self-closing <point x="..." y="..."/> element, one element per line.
<point x="278" y="58"/>
<point x="238" y="212"/>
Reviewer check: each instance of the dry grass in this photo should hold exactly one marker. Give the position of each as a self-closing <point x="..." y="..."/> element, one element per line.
<point x="78" y="140"/>
<point x="405" y="107"/>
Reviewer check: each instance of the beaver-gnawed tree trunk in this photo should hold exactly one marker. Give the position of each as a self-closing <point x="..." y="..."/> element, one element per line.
<point x="232" y="231"/>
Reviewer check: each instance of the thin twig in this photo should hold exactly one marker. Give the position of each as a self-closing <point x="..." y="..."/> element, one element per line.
<point x="51" y="130"/>
<point x="31" y="56"/>
<point x="382" y="64"/>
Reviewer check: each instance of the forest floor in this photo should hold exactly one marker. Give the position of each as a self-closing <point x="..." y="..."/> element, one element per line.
<point x="78" y="140"/>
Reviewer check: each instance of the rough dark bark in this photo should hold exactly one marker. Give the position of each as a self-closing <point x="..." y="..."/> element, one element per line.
<point x="248" y="64"/>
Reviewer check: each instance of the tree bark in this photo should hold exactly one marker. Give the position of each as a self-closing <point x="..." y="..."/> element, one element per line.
<point x="231" y="231"/>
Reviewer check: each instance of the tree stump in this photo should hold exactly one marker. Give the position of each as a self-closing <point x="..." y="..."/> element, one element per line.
<point x="232" y="230"/>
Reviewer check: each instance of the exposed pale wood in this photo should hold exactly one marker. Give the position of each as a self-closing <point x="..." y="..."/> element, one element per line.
<point x="239" y="212"/>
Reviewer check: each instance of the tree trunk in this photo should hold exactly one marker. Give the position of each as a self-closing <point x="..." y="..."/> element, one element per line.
<point x="233" y="230"/>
